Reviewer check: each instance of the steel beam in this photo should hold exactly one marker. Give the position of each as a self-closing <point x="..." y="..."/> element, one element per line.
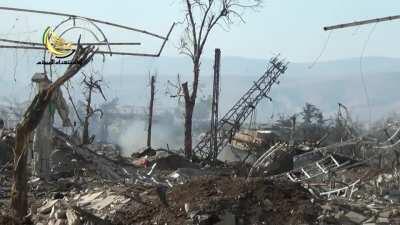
<point x="75" y="16"/>
<point x="87" y="43"/>
<point x="362" y="22"/>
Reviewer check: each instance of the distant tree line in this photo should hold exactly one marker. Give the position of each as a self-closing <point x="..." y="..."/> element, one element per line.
<point x="311" y="127"/>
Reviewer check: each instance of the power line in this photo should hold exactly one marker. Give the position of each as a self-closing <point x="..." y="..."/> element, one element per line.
<point x="362" y="75"/>
<point x="322" y="51"/>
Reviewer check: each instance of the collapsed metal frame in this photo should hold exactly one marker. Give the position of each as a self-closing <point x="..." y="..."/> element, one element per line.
<point x="330" y="164"/>
<point x="344" y="192"/>
<point x="237" y="115"/>
<point x="315" y="169"/>
<point x="94" y="22"/>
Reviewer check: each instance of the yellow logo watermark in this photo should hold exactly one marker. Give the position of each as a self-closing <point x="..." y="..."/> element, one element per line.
<point x="56" y="45"/>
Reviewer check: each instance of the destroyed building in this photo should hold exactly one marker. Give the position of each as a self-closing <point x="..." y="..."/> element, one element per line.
<point x="62" y="163"/>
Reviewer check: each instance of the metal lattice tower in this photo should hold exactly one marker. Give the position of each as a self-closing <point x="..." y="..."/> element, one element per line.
<point x="237" y="115"/>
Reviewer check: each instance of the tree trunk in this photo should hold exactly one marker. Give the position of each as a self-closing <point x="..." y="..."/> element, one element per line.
<point x="190" y="102"/>
<point x="19" y="193"/>
<point x="150" y="123"/>
<point x="188" y="129"/>
<point x="85" y="132"/>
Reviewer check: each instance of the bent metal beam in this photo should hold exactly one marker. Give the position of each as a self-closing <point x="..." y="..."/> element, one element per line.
<point x="33" y="46"/>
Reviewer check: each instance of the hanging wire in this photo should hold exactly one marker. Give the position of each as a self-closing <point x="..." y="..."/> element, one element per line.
<point x="15" y="65"/>
<point x="322" y="51"/>
<point x="253" y="119"/>
<point x="15" y="53"/>
<point x="362" y="75"/>
<point x="273" y="110"/>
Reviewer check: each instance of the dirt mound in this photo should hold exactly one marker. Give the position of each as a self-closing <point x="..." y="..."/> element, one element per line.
<point x="173" y="162"/>
<point x="211" y="199"/>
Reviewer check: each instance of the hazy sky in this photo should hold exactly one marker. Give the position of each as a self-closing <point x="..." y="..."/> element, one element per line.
<point x="290" y="27"/>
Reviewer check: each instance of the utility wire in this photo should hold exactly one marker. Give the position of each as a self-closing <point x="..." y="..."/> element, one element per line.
<point x="322" y="51"/>
<point x="362" y="75"/>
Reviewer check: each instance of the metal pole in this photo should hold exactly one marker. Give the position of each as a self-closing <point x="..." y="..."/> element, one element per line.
<point x="362" y="22"/>
<point x="214" y="107"/>
<point x="150" y="123"/>
<point x="87" y="43"/>
<point x="75" y="16"/>
<point x="97" y="52"/>
<point x="293" y="131"/>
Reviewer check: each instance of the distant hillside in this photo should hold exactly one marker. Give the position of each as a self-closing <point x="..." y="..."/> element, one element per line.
<point x="326" y="84"/>
<point x="252" y="67"/>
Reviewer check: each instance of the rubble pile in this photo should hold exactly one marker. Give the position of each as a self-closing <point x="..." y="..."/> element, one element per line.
<point x="168" y="189"/>
<point x="5" y="181"/>
<point x="193" y="197"/>
<point x="94" y="184"/>
<point x="222" y="200"/>
<point x="80" y="207"/>
<point x="339" y="211"/>
<point x="376" y="201"/>
<point x="164" y="159"/>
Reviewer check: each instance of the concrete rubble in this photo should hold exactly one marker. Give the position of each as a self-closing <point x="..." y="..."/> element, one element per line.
<point x="94" y="184"/>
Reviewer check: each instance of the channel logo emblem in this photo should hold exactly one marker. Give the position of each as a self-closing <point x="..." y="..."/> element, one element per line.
<point x="56" y="45"/>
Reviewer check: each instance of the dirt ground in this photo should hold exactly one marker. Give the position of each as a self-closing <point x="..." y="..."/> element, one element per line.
<point x="6" y="219"/>
<point x="254" y="202"/>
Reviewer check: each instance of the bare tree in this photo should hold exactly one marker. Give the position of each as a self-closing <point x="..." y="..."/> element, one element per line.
<point x="30" y="120"/>
<point x="91" y="85"/>
<point x="201" y="17"/>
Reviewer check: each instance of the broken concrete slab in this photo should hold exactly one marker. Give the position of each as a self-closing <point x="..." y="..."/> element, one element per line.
<point x="382" y="220"/>
<point x="72" y="217"/>
<point x="355" y="217"/>
<point x="45" y="209"/>
<point x="87" y="199"/>
<point x="232" y="154"/>
<point x="100" y="204"/>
